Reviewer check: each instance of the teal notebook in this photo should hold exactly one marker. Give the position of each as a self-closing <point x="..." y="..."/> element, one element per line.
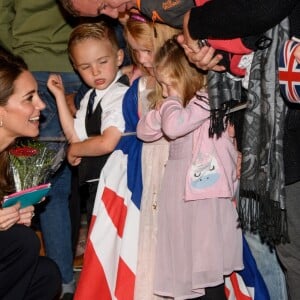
<point x="27" y="197"/>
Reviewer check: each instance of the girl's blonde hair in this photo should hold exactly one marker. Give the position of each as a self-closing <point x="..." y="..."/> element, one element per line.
<point x="171" y="62"/>
<point x="149" y="35"/>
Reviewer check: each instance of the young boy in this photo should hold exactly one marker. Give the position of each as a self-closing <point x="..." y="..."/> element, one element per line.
<point x="97" y="128"/>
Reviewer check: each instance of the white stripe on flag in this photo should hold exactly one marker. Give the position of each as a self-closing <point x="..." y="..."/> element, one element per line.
<point x="108" y="245"/>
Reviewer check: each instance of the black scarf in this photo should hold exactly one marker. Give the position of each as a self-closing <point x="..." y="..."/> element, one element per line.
<point x="261" y="203"/>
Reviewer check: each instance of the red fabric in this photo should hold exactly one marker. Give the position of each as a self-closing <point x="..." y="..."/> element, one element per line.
<point x="94" y="277"/>
<point x="234" y="46"/>
<point x="234" y="68"/>
<point x="125" y="279"/>
<point x="116" y="209"/>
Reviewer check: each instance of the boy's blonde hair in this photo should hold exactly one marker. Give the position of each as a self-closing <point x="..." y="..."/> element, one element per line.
<point x="171" y="62"/>
<point x="98" y="31"/>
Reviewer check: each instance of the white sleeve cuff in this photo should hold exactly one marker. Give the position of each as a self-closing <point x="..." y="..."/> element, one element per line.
<point x="296" y="39"/>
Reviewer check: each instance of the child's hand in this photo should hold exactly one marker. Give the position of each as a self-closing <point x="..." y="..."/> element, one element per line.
<point x="132" y="72"/>
<point x="158" y="104"/>
<point x="231" y="133"/>
<point x="231" y="130"/>
<point x="55" y="85"/>
<point x="73" y="159"/>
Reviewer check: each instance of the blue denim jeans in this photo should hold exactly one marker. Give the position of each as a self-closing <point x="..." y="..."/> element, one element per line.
<point x="268" y="266"/>
<point x="55" y="217"/>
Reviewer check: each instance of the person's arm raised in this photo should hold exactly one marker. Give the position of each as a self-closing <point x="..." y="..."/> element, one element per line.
<point x="56" y="87"/>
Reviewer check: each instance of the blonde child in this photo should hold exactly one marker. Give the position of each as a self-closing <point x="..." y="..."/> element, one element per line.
<point x="144" y="39"/>
<point x="198" y="239"/>
<point x="98" y="125"/>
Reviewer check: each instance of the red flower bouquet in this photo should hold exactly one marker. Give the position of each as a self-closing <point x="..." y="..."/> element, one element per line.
<point x="31" y="162"/>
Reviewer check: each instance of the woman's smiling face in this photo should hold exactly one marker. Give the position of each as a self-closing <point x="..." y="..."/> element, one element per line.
<point x="20" y="116"/>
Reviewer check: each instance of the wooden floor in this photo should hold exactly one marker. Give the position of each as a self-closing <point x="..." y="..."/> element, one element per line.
<point x="42" y="251"/>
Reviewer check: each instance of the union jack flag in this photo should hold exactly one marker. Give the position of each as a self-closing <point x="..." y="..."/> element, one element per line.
<point x="247" y="284"/>
<point x="289" y="72"/>
<point x="110" y="258"/>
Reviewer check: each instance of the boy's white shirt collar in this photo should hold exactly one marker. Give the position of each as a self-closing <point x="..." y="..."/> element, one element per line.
<point x="101" y="93"/>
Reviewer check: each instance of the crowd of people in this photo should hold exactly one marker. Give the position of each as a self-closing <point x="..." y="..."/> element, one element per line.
<point x="178" y="177"/>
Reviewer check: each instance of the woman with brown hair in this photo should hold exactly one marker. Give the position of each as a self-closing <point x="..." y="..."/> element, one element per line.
<point x="23" y="273"/>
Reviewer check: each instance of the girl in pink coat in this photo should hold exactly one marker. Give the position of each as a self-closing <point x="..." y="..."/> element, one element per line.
<point x="199" y="240"/>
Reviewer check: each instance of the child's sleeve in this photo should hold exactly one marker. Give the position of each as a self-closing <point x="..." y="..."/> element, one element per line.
<point x="178" y="120"/>
<point x="149" y="126"/>
<point x="79" y="120"/>
<point x="112" y="115"/>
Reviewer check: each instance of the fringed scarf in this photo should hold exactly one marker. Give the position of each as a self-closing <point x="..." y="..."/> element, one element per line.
<point x="223" y="93"/>
<point x="262" y="195"/>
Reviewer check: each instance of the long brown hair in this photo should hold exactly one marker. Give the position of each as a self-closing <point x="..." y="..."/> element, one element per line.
<point x="10" y="69"/>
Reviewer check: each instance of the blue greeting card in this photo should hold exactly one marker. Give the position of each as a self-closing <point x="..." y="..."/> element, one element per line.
<point x="27" y="197"/>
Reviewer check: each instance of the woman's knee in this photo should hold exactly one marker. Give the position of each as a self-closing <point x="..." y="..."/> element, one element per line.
<point x="25" y="243"/>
